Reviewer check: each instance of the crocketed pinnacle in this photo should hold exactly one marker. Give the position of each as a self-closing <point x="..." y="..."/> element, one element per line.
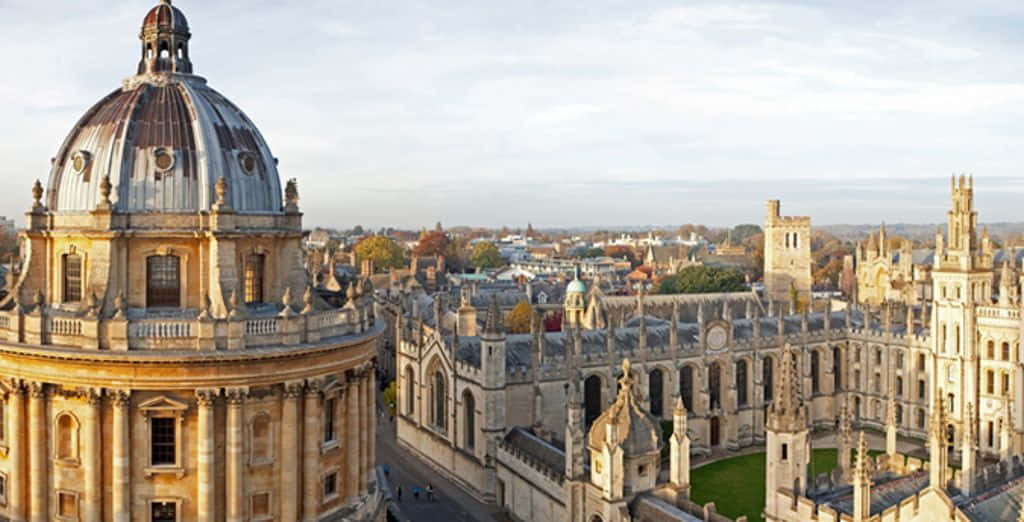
<point x="494" y="325"/>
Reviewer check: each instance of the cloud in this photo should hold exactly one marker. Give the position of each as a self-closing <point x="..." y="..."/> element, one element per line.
<point x="405" y="113"/>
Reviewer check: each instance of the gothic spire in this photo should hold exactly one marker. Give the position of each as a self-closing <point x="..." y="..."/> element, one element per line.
<point x="494" y="325"/>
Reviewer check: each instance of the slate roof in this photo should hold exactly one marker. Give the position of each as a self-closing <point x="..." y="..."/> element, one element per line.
<point x="885" y="493"/>
<point x="541" y="451"/>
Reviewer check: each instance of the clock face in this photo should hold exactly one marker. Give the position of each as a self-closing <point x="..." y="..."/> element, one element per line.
<point x="717" y="338"/>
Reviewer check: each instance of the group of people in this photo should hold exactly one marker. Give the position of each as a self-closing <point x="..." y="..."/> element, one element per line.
<point x="416" y="493"/>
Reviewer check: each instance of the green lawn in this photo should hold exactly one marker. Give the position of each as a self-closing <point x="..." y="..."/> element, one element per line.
<point x="736" y="485"/>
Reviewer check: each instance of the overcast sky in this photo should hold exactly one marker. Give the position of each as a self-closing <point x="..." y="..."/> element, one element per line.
<point x="568" y="113"/>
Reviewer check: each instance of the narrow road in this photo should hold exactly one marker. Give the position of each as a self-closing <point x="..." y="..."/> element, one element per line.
<point x="451" y="505"/>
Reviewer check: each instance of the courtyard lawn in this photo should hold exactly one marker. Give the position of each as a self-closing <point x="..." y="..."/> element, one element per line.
<point x="736" y="485"/>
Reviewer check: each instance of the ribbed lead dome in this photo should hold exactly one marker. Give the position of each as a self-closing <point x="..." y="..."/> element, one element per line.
<point x="165" y="138"/>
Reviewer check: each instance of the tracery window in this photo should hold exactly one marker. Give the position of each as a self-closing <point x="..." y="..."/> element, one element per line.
<point x="686" y="386"/>
<point x="769" y="378"/>
<point x="741" y="382"/>
<point x="163" y="284"/>
<point x="815" y="368"/>
<point x="469" y="424"/>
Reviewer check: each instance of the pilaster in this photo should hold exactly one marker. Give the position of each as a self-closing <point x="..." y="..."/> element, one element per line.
<point x="38" y="461"/>
<point x="290" y="452"/>
<point x="235" y="476"/>
<point x="121" y="466"/>
<point x="206" y="475"/>
<point x="16" y="452"/>
<point x="311" y="432"/>
<point x="92" y="458"/>
<point x="352" y="434"/>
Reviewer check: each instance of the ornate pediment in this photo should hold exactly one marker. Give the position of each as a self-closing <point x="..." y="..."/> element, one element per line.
<point x="163" y="404"/>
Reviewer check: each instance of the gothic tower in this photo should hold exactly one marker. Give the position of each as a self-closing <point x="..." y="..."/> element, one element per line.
<point x="787" y="256"/>
<point x="492" y="362"/>
<point x="787" y="437"/>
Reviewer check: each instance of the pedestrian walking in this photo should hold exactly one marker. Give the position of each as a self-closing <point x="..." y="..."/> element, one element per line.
<point x="430" y="492"/>
<point x="398" y="492"/>
<point x="415" y="492"/>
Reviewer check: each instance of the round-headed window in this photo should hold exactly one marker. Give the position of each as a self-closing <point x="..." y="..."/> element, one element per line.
<point x="163" y="159"/>
<point x="248" y="163"/>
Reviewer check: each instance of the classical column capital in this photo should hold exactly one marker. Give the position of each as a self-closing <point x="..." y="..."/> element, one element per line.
<point x="92" y="396"/>
<point x="206" y="396"/>
<point x="236" y="396"/>
<point x="120" y="398"/>
<point x="37" y="389"/>
<point x="314" y="385"/>
<point x="16" y="386"/>
<point x="292" y="389"/>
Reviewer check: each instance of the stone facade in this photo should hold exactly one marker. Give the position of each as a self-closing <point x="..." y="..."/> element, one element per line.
<point x="787" y="256"/>
<point x="163" y="354"/>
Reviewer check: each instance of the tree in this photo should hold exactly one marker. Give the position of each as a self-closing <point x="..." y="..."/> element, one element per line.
<point x="358" y="230"/>
<point x="741" y="232"/>
<point x="518" y="320"/>
<point x="620" y="251"/>
<point x="699" y="279"/>
<point x="432" y="244"/>
<point x="390" y="397"/>
<point x="384" y="252"/>
<point x="591" y="253"/>
<point x="486" y="255"/>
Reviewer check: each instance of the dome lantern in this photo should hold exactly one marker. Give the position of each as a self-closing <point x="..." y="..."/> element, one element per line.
<point x="165" y="36"/>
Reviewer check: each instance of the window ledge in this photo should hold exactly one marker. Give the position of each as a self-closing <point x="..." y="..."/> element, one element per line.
<point x="259" y="463"/>
<point x="164" y="470"/>
<point x="329" y="445"/>
<point x="330" y="498"/>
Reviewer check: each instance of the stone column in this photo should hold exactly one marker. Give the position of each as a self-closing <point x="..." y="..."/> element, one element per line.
<point x="206" y="474"/>
<point x="371" y="435"/>
<point x="92" y="458"/>
<point x="16" y="456"/>
<point x="342" y="427"/>
<point x="290" y="452"/>
<point x="351" y="439"/>
<point x="234" y="485"/>
<point x="311" y="453"/>
<point x="363" y="429"/>
<point x="38" y="462"/>
<point x="121" y="468"/>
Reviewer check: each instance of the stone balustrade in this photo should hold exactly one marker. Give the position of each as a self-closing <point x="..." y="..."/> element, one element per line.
<point x="184" y="330"/>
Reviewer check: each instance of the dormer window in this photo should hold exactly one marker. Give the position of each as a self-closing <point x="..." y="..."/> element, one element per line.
<point x="248" y="163"/>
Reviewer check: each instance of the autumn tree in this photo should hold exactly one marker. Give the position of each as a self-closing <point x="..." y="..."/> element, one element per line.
<point x="384" y="252"/>
<point x="591" y="253"/>
<point x="518" y="320"/>
<point x="700" y="279"/>
<point x="486" y="255"/>
<point x="433" y="243"/>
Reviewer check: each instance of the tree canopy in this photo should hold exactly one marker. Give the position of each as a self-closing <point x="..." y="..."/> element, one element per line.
<point x="435" y="243"/>
<point x="384" y="252"/>
<point x="486" y="255"/>
<point x="518" y="320"/>
<point x="619" y="251"/>
<point x="700" y="279"/>
<point x="591" y="253"/>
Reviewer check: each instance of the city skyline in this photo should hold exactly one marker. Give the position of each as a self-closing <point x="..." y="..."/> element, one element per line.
<point x="639" y="114"/>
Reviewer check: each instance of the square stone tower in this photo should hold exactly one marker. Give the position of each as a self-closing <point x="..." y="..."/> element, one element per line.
<point x="787" y="255"/>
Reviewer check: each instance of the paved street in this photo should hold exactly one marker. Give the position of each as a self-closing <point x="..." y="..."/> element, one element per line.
<point x="452" y="504"/>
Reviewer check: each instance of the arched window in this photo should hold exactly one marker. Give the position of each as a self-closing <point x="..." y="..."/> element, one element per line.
<point x="899" y="415"/>
<point x="990" y="382"/>
<point x="856" y="408"/>
<point x="181" y="51"/>
<point x="67" y="437"/>
<point x="260" y="439"/>
<point x="768" y="377"/>
<point x="591" y="399"/>
<point x="686" y="386"/>
<point x="715" y="385"/>
<point x="899" y="386"/>
<point x="656" y="389"/>
<point x="439" y="399"/>
<point x="991" y="349"/>
<point x="330" y="410"/>
<point x="72" y="278"/>
<point x="165" y="51"/>
<point x="254" y="278"/>
<point x="920" y="419"/>
<point x="163" y="284"/>
<point x="837" y="370"/>
<point x="920" y="362"/>
<point x="1006" y="351"/>
<point x="741" y="382"/>
<point x="951" y="400"/>
<point x="815" y="367"/>
<point x="1006" y="384"/>
<point x="469" y="425"/>
<point x="410" y="391"/>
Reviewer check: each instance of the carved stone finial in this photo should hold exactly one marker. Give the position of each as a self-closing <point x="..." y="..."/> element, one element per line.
<point x="91" y="306"/>
<point x="37" y="195"/>
<point x="291" y="195"/>
<point x="222" y="195"/>
<point x="119" y="305"/>
<point x="286" y="300"/>
<point x="307" y="300"/>
<point x="105" y="189"/>
<point x="204" y="306"/>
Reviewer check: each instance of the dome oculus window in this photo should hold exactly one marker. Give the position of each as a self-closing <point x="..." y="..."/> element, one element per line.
<point x="248" y="163"/>
<point x="163" y="159"/>
<point x="80" y="161"/>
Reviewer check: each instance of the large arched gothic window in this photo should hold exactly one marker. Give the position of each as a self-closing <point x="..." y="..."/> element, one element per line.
<point x="815" y="369"/>
<point x="768" y="378"/>
<point x="410" y="391"/>
<point x="686" y="386"/>
<point x="438" y="397"/>
<point x="163" y="281"/>
<point x="469" y="424"/>
<point x="741" y="382"/>
<point x="715" y="385"/>
<point x="837" y="370"/>
<point x="72" y="278"/>
<point x="655" y="388"/>
<point x="254" y="278"/>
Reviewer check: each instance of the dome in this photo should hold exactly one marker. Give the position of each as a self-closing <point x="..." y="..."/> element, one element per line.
<point x="164" y="139"/>
<point x="576" y="287"/>
<point x="636" y="430"/>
